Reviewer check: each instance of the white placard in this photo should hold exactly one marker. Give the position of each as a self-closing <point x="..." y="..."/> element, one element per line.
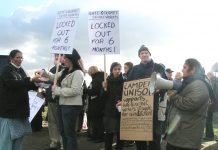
<point x="35" y="104"/>
<point x="104" y="32"/>
<point x="64" y="31"/>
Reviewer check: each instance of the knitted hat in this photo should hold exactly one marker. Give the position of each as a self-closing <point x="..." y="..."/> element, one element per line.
<point x="74" y="58"/>
<point x="143" y="48"/>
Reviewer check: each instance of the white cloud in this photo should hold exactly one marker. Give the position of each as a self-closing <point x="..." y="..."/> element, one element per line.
<point x="173" y="30"/>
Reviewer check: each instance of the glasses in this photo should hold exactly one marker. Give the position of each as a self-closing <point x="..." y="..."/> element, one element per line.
<point x="21" y="58"/>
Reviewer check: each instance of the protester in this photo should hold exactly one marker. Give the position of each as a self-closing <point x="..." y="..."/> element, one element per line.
<point x="95" y="105"/>
<point x="209" y="133"/>
<point x="144" y="70"/>
<point x="164" y="105"/>
<point x="169" y="74"/>
<point x="14" y="103"/>
<point x="178" y="76"/>
<point x="69" y="89"/>
<point x="188" y="107"/>
<point x="53" y="119"/>
<point x="81" y="116"/>
<point x="77" y="57"/>
<point x="127" y="69"/>
<point x="112" y="95"/>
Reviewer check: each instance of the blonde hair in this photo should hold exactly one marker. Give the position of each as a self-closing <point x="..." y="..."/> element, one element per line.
<point x="92" y="70"/>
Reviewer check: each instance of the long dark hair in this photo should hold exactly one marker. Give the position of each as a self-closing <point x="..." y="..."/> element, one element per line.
<point x="199" y="73"/>
<point x="66" y="71"/>
<point x="195" y="64"/>
<point x="114" y="64"/>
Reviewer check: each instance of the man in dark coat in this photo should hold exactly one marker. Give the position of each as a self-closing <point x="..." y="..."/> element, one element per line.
<point x="144" y="70"/>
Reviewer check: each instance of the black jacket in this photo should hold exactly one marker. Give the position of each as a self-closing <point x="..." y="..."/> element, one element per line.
<point x="95" y="102"/>
<point x="14" y="87"/>
<point x="48" y="92"/>
<point x="144" y="71"/>
<point x="141" y="71"/>
<point x="112" y="95"/>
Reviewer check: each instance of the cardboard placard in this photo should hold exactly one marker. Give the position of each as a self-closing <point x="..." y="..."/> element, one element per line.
<point x="137" y="111"/>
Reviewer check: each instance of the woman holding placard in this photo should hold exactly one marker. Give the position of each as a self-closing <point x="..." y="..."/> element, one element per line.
<point x="112" y="96"/>
<point x="69" y="88"/>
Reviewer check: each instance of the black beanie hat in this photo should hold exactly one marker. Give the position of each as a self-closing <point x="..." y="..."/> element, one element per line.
<point x="74" y="58"/>
<point x="143" y="48"/>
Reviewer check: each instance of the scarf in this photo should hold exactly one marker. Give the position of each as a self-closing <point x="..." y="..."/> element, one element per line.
<point x="202" y="77"/>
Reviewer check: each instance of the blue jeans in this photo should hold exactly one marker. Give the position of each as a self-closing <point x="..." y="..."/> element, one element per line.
<point x="68" y="119"/>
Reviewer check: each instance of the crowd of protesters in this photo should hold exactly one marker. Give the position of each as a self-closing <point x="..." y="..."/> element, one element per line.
<point x="179" y="114"/>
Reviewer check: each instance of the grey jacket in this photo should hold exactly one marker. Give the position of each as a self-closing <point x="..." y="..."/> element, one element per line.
<point x="71" y="89"/>
<point x="187" y="116"/>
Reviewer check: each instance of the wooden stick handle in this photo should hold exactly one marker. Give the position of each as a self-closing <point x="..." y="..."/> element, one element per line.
<point x="105" y="76"/>
<point x="57" y="68"/>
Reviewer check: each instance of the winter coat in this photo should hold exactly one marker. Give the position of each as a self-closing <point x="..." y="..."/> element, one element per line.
<point x="95" y="101"/>
<point x="14" y="98"/>
<point x="141" y="71"/>
<point x="187" y="115"/>
<point x="112" y="95"/>
<point x="70" y="90"/>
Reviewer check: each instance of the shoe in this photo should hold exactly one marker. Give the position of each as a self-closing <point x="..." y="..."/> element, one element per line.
<point x="131" y="143"/>
<point x="128" y="143"/>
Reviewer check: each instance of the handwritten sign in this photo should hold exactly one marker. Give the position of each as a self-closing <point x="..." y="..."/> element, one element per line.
<point x="35" y="104"/>
<point x="104" y="32"/>
<point x="137" y="111"/>
<point x="64" y="31"/>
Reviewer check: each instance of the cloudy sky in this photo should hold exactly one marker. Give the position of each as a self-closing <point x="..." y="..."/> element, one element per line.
<point x="173" y="30"/>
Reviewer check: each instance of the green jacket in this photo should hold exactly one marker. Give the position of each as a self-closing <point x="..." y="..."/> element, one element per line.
<point x="187" y="116"/>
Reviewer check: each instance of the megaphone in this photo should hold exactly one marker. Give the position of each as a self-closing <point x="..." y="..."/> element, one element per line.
<point x="158" y="83"/>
